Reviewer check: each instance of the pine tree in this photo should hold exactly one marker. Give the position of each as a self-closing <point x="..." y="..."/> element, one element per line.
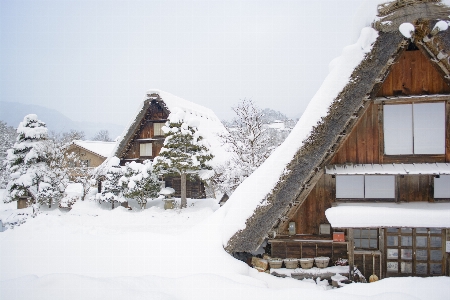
<point x="185" y="152"/>
<point x="26" y="160"/>
<point x="112" y="185"/>
<point x="140" y="183"/>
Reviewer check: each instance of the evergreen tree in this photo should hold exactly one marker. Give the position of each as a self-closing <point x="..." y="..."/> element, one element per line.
<point x="112" y="185"/>
<point x="184" y="151"/>
<point x="26" y="160"/>
<point x="140" y="183"/>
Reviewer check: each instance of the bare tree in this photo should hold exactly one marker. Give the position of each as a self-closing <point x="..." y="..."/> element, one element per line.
<point x="102" y="135"/>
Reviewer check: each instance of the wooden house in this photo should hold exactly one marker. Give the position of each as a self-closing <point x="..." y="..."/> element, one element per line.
<point x="365" y="174"/>
<point x="144" y="138"/>
<point x="91" y="153"/>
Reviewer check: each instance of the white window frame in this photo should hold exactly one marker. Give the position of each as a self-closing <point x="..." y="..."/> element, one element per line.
<point x="417" y="128"/>
<point x="361" y="187"/>
<point x="145" y="149"/>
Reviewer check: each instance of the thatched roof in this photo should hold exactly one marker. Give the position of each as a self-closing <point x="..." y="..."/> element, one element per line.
<point x="209" y="123"/>
<point x="275" y="201"/>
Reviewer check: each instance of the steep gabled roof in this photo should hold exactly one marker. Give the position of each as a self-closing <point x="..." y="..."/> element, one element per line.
<point x="209" y="124"/>
<point x="262" y="202"/>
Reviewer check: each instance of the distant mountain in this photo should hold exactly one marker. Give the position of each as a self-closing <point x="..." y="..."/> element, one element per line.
<point x="12" y="113"/>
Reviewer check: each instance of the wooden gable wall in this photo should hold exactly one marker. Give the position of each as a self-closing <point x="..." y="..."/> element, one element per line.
<point x="412" y="75"/>
<point x="154" y="113"/>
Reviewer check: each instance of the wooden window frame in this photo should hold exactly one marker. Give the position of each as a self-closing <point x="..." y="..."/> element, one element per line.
<point x="412" y="158"/>
<point x="140" y="152"/>
<point x="360" y="238"/>
<point x="415" y="232"/>
<point x="368" y="199"/>
<point x="160" y="133"/>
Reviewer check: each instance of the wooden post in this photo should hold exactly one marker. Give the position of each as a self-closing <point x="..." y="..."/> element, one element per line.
<point x="382" y="252"/>
<point x="350" y="252"/>
<point x="183" y="190"/>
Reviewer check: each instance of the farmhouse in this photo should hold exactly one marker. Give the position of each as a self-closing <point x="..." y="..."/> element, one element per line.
<point x="365" y="174"/>
<point x="143" y="138"/>
<point x="91" y="153"/>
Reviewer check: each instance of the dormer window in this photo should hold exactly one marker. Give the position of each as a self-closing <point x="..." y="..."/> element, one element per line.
<point x="417" y="128"/>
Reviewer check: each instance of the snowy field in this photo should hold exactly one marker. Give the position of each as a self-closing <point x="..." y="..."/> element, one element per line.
<point x="93" y="252"/>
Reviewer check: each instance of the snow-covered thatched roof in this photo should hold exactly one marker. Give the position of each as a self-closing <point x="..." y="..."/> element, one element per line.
<point x="209" y="124"/>
<point x="103" y="149"/>
<point x="262" y="201"/>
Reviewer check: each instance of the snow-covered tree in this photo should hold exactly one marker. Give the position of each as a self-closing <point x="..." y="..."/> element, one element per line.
<point x="67" y="137"/>
<point x="112" y="185"/>
<point x="103" y="136"/>
<point x="249" y="143"/>
<point x="140" y="183"/>
<point x="7" y="138"/>
<point x="26" y="160"/>
<point x="185" y="152"/>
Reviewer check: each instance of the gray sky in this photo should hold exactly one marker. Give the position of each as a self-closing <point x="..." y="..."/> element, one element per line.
<point x="94" y="60"/>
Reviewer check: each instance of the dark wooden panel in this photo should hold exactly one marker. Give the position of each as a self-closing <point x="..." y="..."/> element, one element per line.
<point x="414" y="188"/>
<point x="312" y="212"/>
<point x="146" y="131"/>
<point x="365" y="264"/>
<point x="413" y="74"/>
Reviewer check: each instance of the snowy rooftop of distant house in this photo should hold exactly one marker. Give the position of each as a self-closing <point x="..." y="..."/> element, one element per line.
<point x="418" y="214"/>
<point x="101" y="148"/>
<point x="400" y="169"/>
<point x="208" y="123"/>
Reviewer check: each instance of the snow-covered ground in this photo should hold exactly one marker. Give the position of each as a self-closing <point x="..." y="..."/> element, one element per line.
<point x="93" y="252"/>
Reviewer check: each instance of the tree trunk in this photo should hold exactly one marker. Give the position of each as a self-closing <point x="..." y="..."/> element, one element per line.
<point x="183" y="190"/>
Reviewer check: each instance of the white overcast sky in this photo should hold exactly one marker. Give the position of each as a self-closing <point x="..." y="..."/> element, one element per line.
<point x="94" y="60"/>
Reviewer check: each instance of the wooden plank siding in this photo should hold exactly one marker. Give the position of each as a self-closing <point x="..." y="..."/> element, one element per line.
<point x="308" y="249"/>
<point x="413" y="74"/>
<point x="312" y="213"/>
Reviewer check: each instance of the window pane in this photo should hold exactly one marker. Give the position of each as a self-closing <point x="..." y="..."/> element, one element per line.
<point x="406" y="240"/>
<point x="436" y="230"/>
<point x="350" y="186"/>
<point x="392" y="267"/>
<point x="373" y="244"/>
<point x="421" y="269"/>
<point x="145" y="149"/>
<point x="365" y="243"/>
<point x="398" y="129"/>
<point x="357" y="233"/>
<point x="157" y="129"/>
<point x="406" y="230"/>
<point x="380" y="186"/>
<point x="392" y="240"/>
<point x="406" y="267"/>
<point x="435" y="269"/>
<point x="357" y="243"/>
<point x="422" y="230"/>
<point x="373" y="233"/>
<point x="392" y="253"/>
<point x="365" y="233"/>
<point x="435" y="241"/>
<point x="429" y="128"/>
<point x="406" y="254"/>
<point x="392" y="230"/>
<point x="435" y="254"/>
<point x="442" y="186"/>
<point x="421" y="241"/>
<point x="421" y="255"/>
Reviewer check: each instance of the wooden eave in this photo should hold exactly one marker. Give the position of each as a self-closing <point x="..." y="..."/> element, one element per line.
<point x="87" y="150"/>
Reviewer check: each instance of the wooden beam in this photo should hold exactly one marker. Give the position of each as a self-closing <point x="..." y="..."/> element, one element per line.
<point x="410" y="99"/>
<point x="351" y="253"/>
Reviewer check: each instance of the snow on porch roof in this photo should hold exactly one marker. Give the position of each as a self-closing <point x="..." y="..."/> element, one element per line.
<point x="418" y="214"/>
<point x="101" y="148"/>
<point x="401" y="169"/>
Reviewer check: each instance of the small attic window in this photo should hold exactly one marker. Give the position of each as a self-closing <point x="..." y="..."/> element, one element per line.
<point x="412" y="47"/>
